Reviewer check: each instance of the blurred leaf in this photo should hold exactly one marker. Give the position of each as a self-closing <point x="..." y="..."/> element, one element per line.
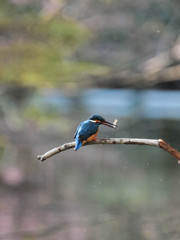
<point x="34" y="52"/>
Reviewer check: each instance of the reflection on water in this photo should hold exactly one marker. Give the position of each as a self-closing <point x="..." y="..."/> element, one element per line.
<point x="99" y="192"/>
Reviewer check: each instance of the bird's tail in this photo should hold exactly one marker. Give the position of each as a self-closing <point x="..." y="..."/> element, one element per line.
<point x="78" y="144"/>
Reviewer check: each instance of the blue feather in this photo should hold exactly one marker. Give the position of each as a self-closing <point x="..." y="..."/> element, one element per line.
<point x="78" y="144"/>
<point x="84" y="131"/>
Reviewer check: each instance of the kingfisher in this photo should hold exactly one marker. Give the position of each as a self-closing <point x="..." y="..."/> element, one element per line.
<point x="88" y="130"/>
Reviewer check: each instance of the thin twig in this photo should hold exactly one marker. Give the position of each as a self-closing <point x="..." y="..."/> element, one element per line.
<point x="136" y="141"/>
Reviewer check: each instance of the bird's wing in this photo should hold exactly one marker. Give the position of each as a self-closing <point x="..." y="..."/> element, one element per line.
<point x="86" y="130"/>
<point x="77" y="130"/>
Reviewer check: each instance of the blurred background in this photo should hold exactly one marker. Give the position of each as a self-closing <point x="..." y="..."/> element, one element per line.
<point x="61" y="61"/>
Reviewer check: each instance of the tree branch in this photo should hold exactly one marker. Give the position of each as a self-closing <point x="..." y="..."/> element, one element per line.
<point x="136" y="141"/>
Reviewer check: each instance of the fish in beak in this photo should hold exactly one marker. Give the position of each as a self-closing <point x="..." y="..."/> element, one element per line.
<point x="112" y="125"/>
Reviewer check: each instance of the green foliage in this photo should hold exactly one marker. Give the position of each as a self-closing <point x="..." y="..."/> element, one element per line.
<point x="37" y="52"/>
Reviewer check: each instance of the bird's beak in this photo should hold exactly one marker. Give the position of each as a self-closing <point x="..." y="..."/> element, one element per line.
<point x="110" y="124"/>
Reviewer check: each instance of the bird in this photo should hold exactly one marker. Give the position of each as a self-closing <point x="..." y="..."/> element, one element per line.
<point x="88" y="130"/>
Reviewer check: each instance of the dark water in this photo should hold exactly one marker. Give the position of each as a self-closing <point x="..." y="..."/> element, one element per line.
<point x="99" y="192"/>
<point x="149" y="104"/>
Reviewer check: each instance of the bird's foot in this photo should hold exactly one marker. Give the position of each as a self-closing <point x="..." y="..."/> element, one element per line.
<point x="95" y="139"/>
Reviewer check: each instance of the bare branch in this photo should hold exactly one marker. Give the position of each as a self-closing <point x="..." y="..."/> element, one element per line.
<point x="136" y="141"/>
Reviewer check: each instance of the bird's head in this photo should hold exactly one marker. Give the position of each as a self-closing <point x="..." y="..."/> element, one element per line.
<point x="100" y="120"/>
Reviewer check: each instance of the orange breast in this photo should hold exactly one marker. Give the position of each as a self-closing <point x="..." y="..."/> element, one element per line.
<point x="91" y="138"/>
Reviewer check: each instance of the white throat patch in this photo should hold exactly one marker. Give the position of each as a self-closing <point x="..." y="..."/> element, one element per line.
<point x="92" y="121"/>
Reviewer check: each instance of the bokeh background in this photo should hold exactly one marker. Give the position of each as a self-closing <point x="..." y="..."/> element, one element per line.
<point x="61" y="61"/>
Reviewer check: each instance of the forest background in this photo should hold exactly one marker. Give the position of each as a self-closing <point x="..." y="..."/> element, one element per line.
<point x="60" y="61"/>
